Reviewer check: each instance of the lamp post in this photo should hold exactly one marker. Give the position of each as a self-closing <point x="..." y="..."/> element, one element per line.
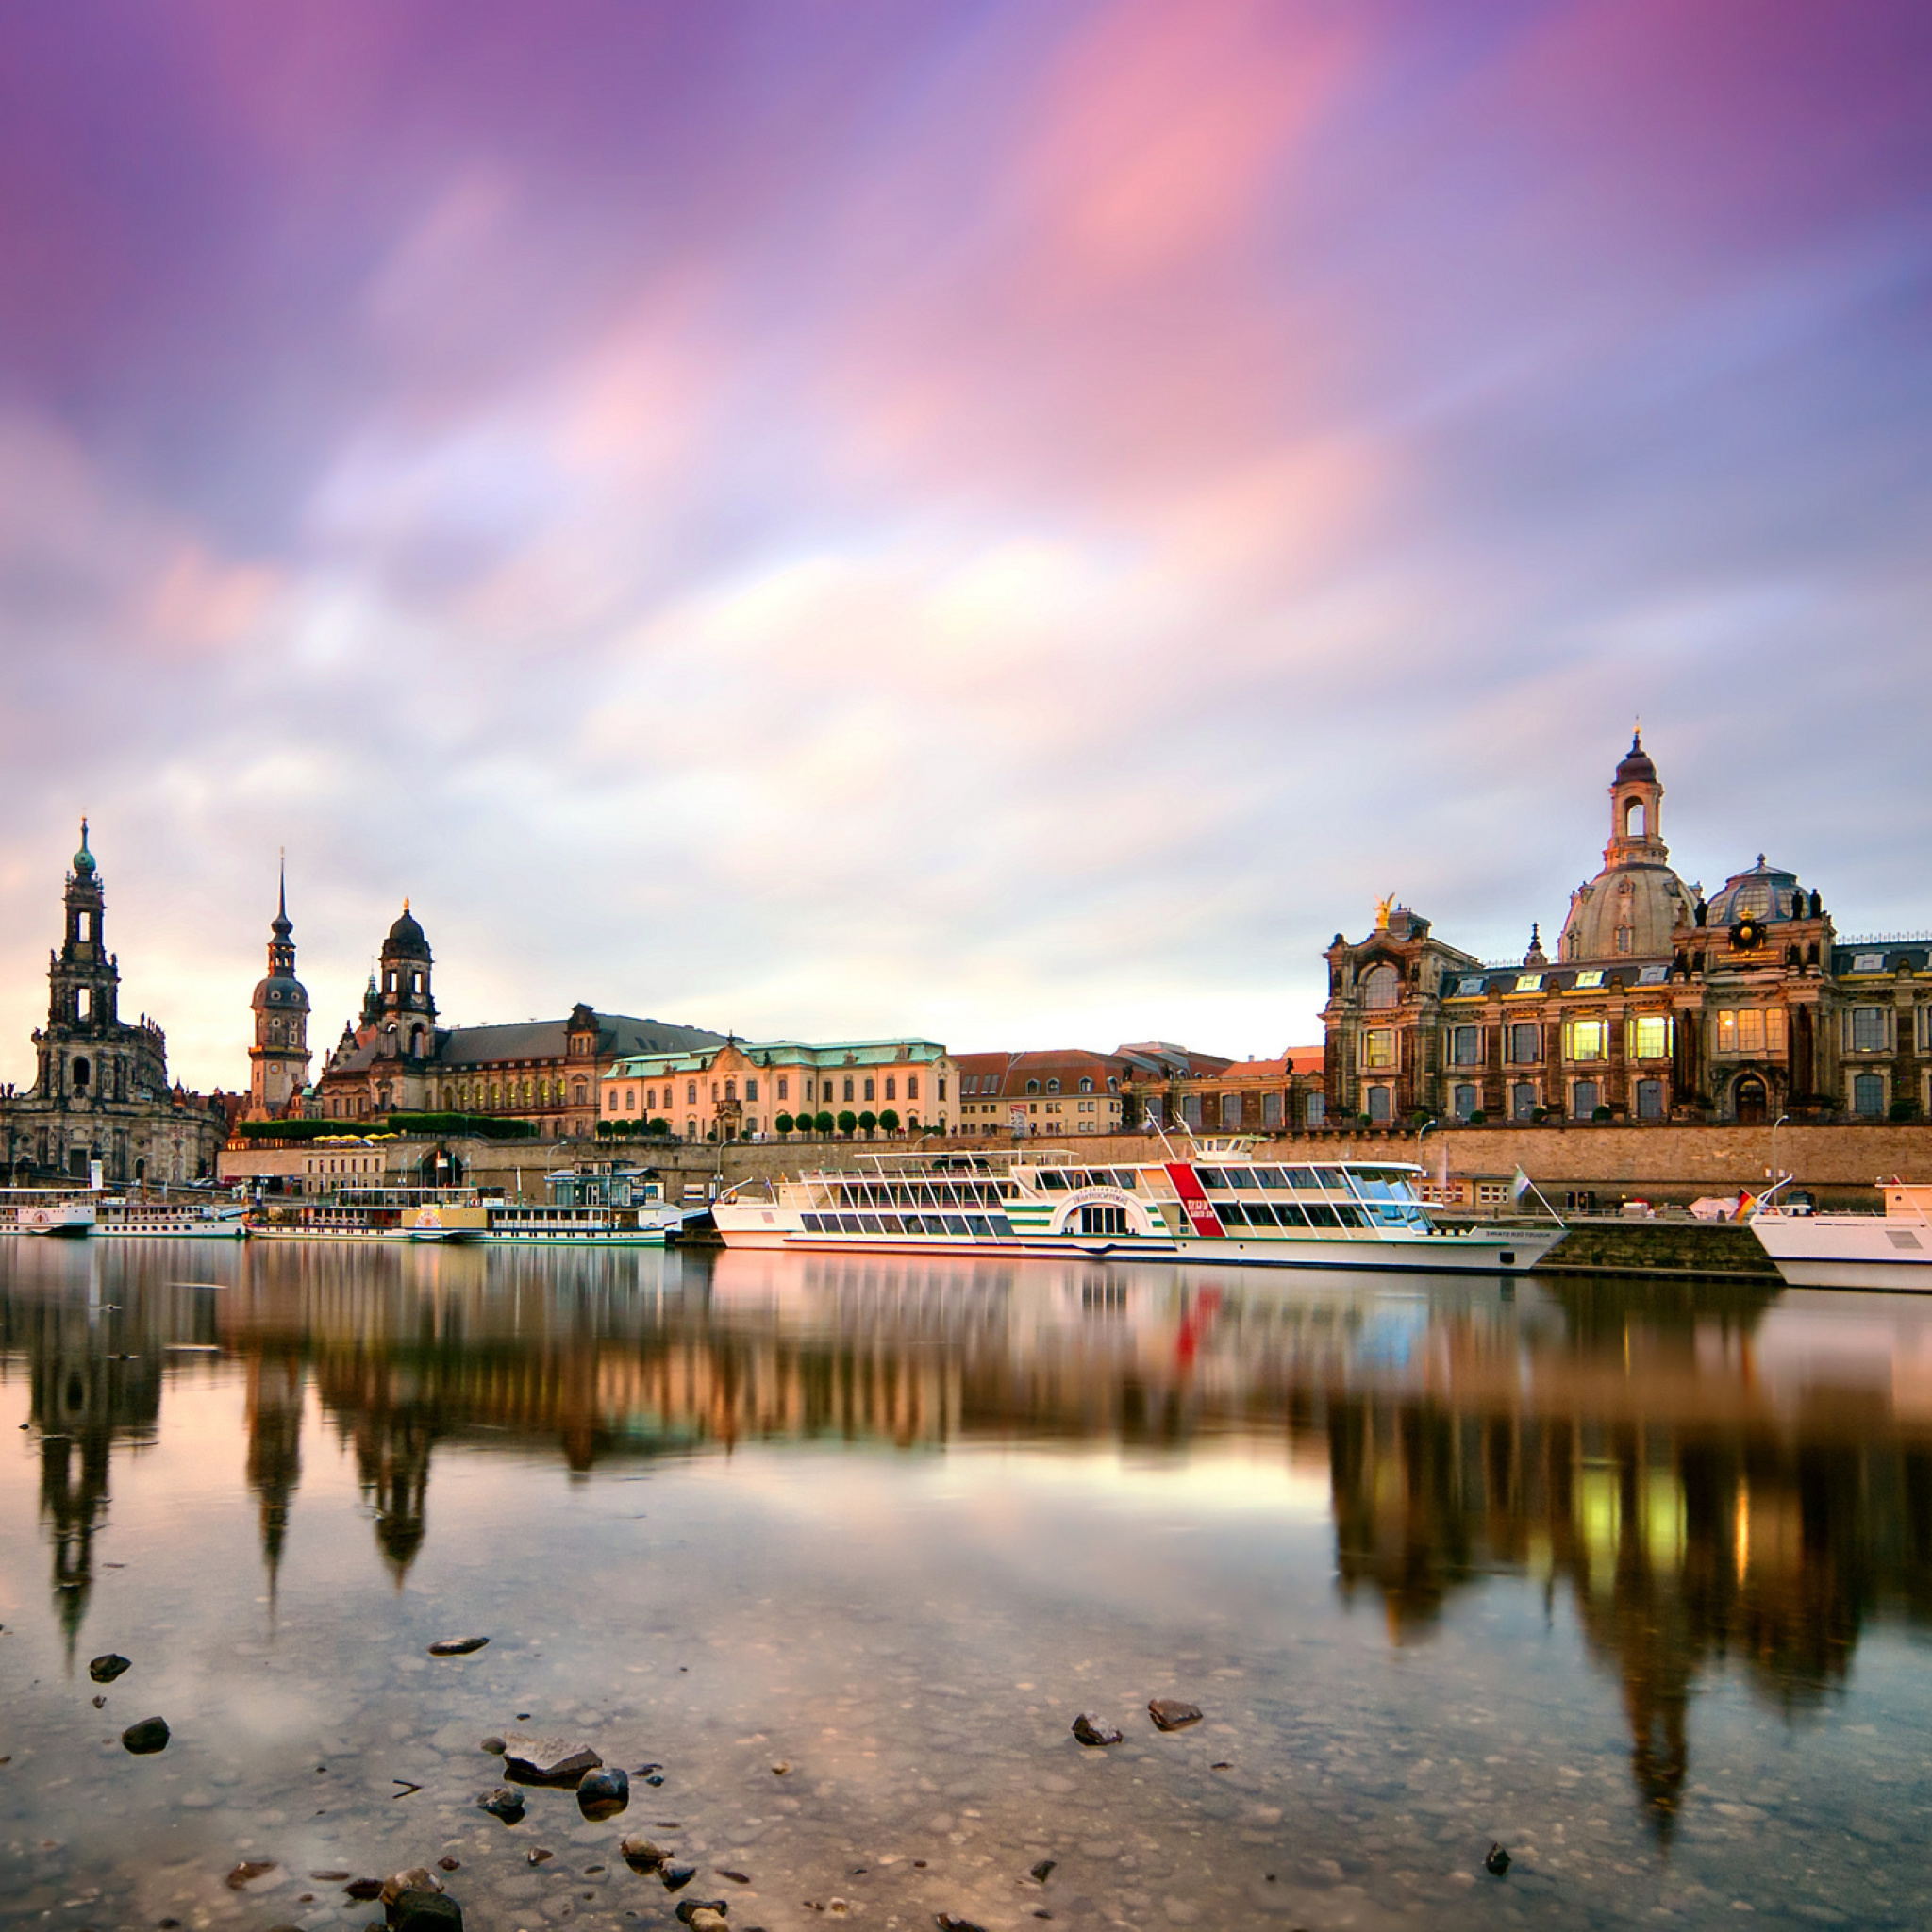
<point x="1775" y="1126"/>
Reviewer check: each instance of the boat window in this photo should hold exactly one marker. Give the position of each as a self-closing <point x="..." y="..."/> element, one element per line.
<point x="1052" y="1177"/>
<point x="1291" y="1214"/>
<point x="811" y="1223"/>
<point x="1331" y="1177"/>
<point x="1270" y="1177"/>
<point x="1210" y="1177"/>
<point x="979" y="1225"/>
<point x="1320" y="1215"/>
<point x="1232" y="1214"/>
<point x="957" y="1224"/>
<point x="1241" y="1178"/>
<point x="848" y="1223"/>
<point x="1000" y="1225"/>
<point x="1351" y="1216"/>
<point x="1260" y="1214"/>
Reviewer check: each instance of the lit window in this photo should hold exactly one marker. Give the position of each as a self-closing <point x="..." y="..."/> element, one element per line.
<point x="1529" y="982"/>
<point x="1588" y="1040"/>
<point x="1378" y="1047"/>
<point x="1593" y="978"/>
<point x="1650" y="1037"/>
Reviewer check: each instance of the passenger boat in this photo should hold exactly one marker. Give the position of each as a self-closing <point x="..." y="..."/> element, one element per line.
<point x="1890" y="1251"/>
<point x="219" y="1221"/>
<point x="1220" y="1204"/>
<point x="645" y="1226"/>
<point x="37" y="1211"/>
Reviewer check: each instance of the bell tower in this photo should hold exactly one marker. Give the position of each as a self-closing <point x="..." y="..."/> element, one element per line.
<point x="409" y="1009"/>
<point x="83" y="993"/>
<point x="278" y="1060"/>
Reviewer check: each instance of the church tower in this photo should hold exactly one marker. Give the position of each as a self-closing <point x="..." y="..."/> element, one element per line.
<point x="278" y="1060"/>
<point x="1635" y="905"/>
<point x="84" y="1054"/>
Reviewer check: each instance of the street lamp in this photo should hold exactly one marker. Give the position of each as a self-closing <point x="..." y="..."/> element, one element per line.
<point x="1775" y="1126"/>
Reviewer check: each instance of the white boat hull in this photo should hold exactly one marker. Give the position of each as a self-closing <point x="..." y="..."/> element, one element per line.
<point x="1889" y="1253"/>
<point x="61" y="1218"/>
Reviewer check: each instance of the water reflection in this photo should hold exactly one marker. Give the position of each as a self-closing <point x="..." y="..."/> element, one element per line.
<point x="1709" y="1478"/>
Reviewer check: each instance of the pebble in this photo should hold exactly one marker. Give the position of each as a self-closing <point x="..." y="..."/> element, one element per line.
<point x="1042" y="1869"/>
<point x="604" y="1793"/>
<point x="99" y="1702"/>
<point x="457" y="1646"/>
<point x="426" y="1911"/>
<point x="641" y="1854"/>
<point x="537" y="1760"/>
<point x="1173" y="1713"/>
<point x="947" y="1921"/>
<point x="1497" y="1862"/>
<point x="363" y="1888"/>
<point x="493" y="1745"/>
<point x="502" y="1802"/>
<point x="1095" y="1731"/>
<point x="103" y="1670"/>
<point x="677" y="1877"/>
<point x="149" y="1736"/>
<point x="247" y="1870"/>
<point x="417" y="1878"/>
<point x="688" y="1909"/>
<point x="537" y="1854"/>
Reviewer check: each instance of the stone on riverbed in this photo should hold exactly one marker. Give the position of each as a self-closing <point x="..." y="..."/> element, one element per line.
<point x="1173" y="1713"/>
<point x="103" y="1670"/>
<point x="424" y="1911"/>
<point x="677" y="1877"/>
<point x="1496" y="1862"/>
<point x="533" y="1761"/>
<point x="502" y="1802"/>
<point x="149" y="1736"/>
<point x="688" y="1910"/>
<point x="1094" y="1730"/>
<point x="604" y="1793"/>
<point x="457" y="1646"/>
<point x="641" y="1854"/>
<point x="417" y="1878"/>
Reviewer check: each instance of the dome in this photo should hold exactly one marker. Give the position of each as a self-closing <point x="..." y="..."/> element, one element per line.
<point x="83" y="860"/>
<point x="1636" y="767"/>
<point x="1764" y="893"/>
<point x="1625" y="912"/>
<point x="406" y="939"/>
<point x="279" y="994"/>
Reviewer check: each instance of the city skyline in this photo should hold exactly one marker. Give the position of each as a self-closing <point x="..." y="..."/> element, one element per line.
<point x="1005" y="527"/>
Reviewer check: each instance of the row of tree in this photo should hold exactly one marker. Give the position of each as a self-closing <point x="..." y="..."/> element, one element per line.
<point x="848" y="1123"/>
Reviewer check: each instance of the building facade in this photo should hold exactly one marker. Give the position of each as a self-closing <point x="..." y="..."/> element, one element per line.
<point x="1662" y="1005"/>
<point x="395" y="1058"/>
<point x="100" y="1091"/>
<point x="740" y="1089"/>
<point x="1272" y="1096"/>
<point x="278" y="1060"/>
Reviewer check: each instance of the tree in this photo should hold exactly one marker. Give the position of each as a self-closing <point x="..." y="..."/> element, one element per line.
<point x="659" y="1127"/>
<point x="889" y="1120"/>
<point x="847" y="1121"/>
<point x="822" y="1123"/>
<point x="868" y="1121"/>
<point x="784" y="1123"/>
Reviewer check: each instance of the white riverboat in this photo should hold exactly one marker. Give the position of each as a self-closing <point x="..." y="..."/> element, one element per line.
<point x="1892" y="1249"/>
<point x="24" y="1210"/>
<point x="1225" y="1203"/>
<point x="219" y="1221"/>
<point x="647" y="1225"/>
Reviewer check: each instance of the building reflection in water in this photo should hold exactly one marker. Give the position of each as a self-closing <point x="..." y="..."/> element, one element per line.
<point x="1710" y="1475"/>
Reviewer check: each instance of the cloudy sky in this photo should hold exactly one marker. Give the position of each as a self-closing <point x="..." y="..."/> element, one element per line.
<point x="1002" y="520"/>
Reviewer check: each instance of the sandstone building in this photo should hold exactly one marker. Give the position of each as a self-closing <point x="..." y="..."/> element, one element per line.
<point x="100" y="1091"/>
<point x="395" y="1058"/>
<point x="1661" y="1004"/>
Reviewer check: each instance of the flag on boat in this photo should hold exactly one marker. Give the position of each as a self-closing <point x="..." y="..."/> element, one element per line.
<point x="1518" y="1186"/>
<point x="1746" y="1201"/>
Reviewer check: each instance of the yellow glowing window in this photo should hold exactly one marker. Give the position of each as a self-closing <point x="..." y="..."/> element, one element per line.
<point x="1587" y="1040"/>
<point x="1378" y="1047"/>
<point x="1650" y="1037"/>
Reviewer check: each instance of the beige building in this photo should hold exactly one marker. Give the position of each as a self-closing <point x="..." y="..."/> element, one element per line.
<point x="745" y="1090"/>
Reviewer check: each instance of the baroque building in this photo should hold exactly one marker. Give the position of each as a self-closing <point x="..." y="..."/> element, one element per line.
<point x="278" y="1060"/>
<point x="395" y="1058"/>
<point x="100" y="1091"/>
<point x="1661" y="1003"/>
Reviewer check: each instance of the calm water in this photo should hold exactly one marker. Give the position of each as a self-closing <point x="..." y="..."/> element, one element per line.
<point x="1636" y="1580"/>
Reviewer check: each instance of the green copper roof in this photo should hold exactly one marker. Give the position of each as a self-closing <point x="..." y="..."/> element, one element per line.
<point x="83" y="860"/>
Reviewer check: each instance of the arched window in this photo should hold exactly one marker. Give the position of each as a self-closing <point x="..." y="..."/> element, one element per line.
<point x="83" y="1003"/>
<point x="1053" y="1086"/>
<point x="690" y="1096"/>
<point x="1085" y="1086"/>
<point x="1381" y="986"/>
<point x="579" y="1092"/>
<point x="848" y="1087"/>
<point x="869" y="1094"/>
<point x="83" y="926"/>
<point x="911" y="1086"/>
<point x="630" y="1100"/>
<point x="1633" y="819"/>
<point x="1033" y="1086"/>
<point x="82" y="1073"/>
<point x="731" y="1089"/>
<point x="891" y="1087"/>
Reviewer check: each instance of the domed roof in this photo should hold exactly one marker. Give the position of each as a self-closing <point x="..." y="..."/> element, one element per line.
<point x="406" y="938"/>
<point x="1646" y="902"/>
<point x="1636" y="767"/>
<point x="83" y="860"/>
<point x="279" y="993"/>
<point x="1764" y="893"/>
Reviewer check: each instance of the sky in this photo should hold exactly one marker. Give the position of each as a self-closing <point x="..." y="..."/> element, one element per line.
<point x="1001" y="523"/>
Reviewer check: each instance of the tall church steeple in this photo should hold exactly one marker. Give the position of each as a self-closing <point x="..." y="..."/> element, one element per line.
<point x="278" y="1060"/>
